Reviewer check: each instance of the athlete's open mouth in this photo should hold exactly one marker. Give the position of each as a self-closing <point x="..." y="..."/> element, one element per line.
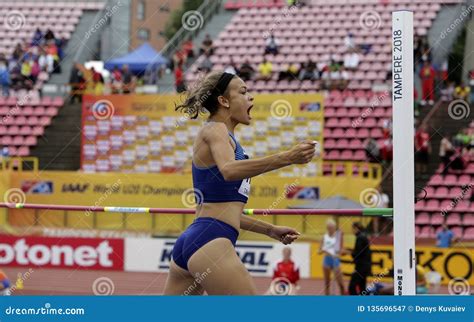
<point x="248" y="111"/>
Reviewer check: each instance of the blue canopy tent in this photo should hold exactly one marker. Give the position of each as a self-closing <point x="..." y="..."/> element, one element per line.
<point x="139" y="61"/>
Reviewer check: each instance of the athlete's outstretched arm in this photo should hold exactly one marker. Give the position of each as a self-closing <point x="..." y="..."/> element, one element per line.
<point x="217" y="138"/>
<point x="284" y="234"/>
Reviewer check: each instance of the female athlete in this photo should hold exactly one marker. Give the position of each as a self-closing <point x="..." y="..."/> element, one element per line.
<point x="204" y="258"/>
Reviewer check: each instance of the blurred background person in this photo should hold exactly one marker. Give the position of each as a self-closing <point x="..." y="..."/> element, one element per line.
<point x="287" y="270"/>
<point x="362" y="258"/>
<point x="330" y="246"/>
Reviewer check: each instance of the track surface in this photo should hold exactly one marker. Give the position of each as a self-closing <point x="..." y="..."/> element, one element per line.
<point x="80" y="282"/>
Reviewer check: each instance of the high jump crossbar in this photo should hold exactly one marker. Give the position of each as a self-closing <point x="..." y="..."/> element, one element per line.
<point x="341" y="212"/>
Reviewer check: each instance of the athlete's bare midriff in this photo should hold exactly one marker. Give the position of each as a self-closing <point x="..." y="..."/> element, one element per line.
<point x="228" y="212"/>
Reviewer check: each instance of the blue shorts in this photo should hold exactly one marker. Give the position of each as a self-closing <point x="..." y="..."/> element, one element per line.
<point x="198" y="234"/>
<point x="331" y="262"/>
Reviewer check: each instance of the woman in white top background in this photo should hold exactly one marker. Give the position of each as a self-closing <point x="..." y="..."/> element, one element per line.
<point x="331" y="246"/>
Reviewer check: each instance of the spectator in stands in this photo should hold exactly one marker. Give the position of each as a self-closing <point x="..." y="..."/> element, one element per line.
<point x="362" y="257"/>
<point x="447" y="92"/>
<point x="37" y="38"/>
<point x="331" y="75"/>
<point x="207" y="46"/>
<point x="35" y="69"/>
<point x="52" y="52"/>
<point x="179" y="57"/>
<point x="338" y="78"/>
<point x="444" y="71"/>
<point x="49" y="35"/>
<point x="349" y="42"/>
<point x="188" y="48"/>
<point x="206" y="65"/>
<point x="446" y="151"/>
<point x="462" y="92"/>
<point x="5" y="152"/>
<point x="286" y="271"/>
<point x="246" y="71"/>
<point x="46" y="61"/>
<point x="417" y="49"/>
<point x="460" y="159"/>
<point x="265" y="70"/>
<point x="427" y="75"/>
<point x="179" y="79"/>
<point x="231" y="67"/>
<point x="309" y="71"/>
<point x="386" y="150"/>
<point x="386" y="128"/>
<point x="343" y="80"/>
<point x="351" y="60"/>
<point x="17" y="52"/>
<point x="445" y="237"/>
<point x="471" y="84"/>
<point x="5" y="81"/>
<point x="116" y="80"/>
<point x="372" y="150"/>
<point x="76" y="82"/>
<point x="26" y="69"/>
<point x="289" y="72"/>
<point x="423" y="149"/>
<point x="272" y="45"/>
<point x="127" y="80"/>
<point x="99" y="85"/>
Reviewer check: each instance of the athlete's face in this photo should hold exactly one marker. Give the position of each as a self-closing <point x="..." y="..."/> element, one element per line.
<point x="331" y="228"/>
<point x="240" y="101"/>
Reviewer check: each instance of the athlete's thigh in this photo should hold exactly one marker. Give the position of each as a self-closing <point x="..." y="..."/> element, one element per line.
<point x="181" y="282"/>
<point x="220" y="270"/>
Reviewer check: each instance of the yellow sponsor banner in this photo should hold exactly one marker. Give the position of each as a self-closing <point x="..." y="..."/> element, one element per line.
<point x="163" y="191"/>
<point x="166" y="190"/>
<point x="449" y="262"/>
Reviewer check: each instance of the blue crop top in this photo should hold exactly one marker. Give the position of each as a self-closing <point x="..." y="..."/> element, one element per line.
<point x="210" y="186"/>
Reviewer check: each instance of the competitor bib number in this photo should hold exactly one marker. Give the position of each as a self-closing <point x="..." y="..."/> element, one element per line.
<point x="244" y="189"/>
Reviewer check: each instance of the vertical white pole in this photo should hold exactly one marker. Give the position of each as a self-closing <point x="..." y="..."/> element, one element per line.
<point x="403" y="154"/>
